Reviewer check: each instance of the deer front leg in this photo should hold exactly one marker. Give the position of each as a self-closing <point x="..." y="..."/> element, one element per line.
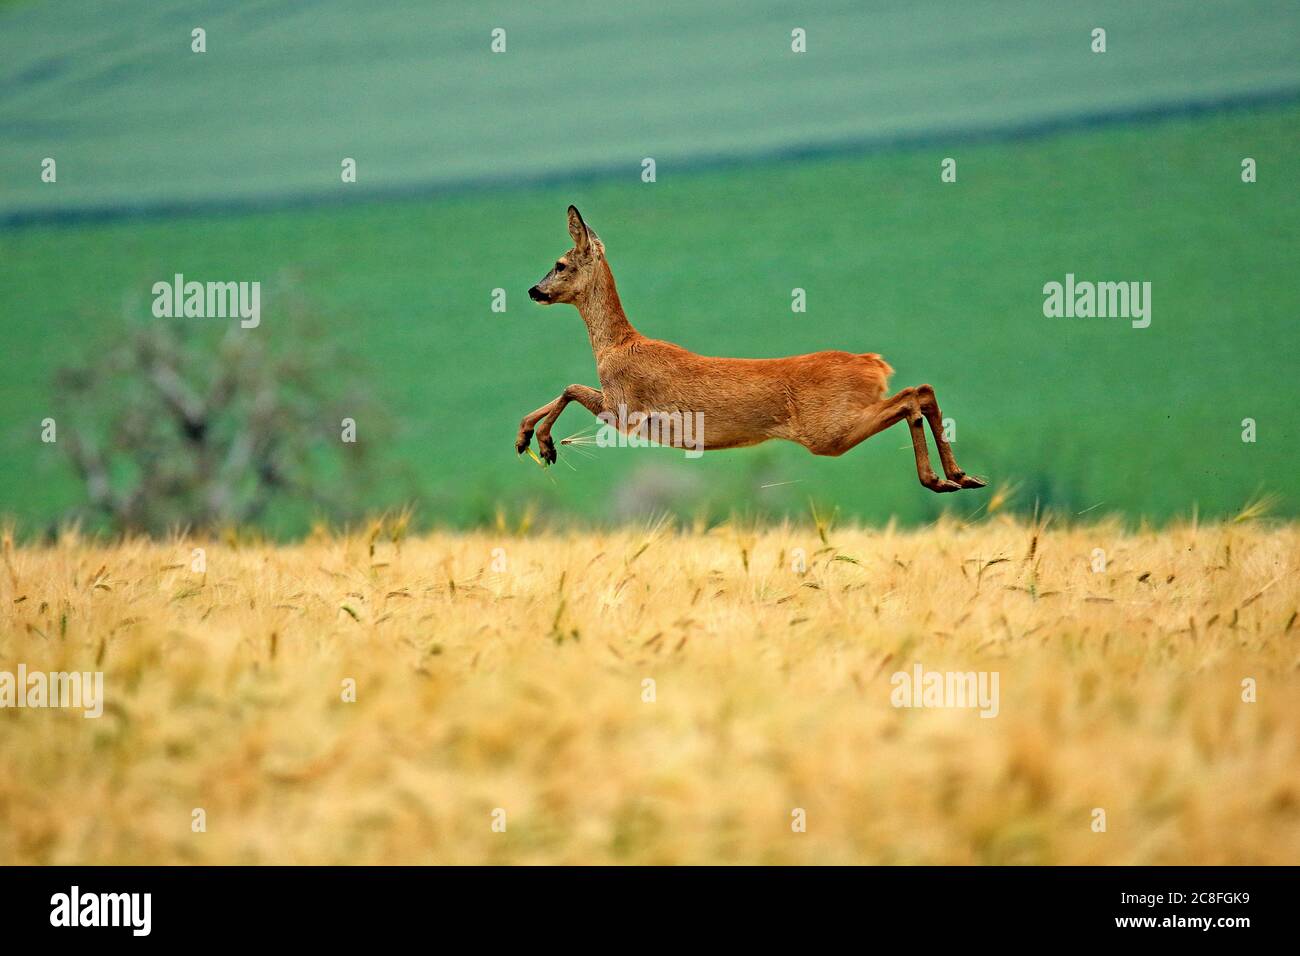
<point x="589" y="398"/>
<point x="526" y="426"/>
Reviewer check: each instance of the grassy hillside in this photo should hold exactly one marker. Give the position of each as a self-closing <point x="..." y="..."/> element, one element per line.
<point x="496" y="674"/>
<point x="944" y="280"/>
<point x="412" y="91"/>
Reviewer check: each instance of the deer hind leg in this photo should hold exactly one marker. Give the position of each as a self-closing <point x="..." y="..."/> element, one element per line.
<point x="906" y="405"/>
<point x="589" y="398"/>
<point x="930" y="409"/>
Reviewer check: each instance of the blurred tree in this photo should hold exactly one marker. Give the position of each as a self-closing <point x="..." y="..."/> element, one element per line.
<point x="176" y="428"/>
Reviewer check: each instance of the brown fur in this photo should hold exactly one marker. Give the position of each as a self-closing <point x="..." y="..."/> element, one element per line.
<point x="826" y="401"/>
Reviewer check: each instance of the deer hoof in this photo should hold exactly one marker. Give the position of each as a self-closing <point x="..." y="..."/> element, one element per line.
<point x="941" y="485"/>
<point x="546" y="447"/>
<point x="970" y="481"/>
<point x="521" y="443"/>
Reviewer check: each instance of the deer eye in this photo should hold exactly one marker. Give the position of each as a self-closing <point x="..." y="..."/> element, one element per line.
<point x="559" y="267"/>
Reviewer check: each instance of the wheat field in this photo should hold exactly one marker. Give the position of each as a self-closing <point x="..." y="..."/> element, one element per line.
<point x="659" y="695"/>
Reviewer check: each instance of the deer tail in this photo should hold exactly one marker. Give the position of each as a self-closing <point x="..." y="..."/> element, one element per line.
<point x="886" y="369"/>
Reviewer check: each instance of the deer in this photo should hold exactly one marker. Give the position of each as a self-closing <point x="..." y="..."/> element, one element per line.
<point x="828" y="402"/>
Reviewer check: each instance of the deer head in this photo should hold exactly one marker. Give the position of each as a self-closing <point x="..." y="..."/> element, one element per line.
<point x="575" y="271"/>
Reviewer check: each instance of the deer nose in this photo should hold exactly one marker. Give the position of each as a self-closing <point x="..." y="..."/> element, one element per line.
<point x="536" y="294"/>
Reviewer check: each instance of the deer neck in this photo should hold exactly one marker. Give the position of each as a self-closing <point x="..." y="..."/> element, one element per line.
<point x="602" y="312"/>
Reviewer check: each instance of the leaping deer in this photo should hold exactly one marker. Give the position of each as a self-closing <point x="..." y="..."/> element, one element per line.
<point x="826" y="401"/>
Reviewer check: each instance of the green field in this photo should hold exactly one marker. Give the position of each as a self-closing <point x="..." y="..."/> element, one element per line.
<point x="945" y="280"/>
<point x="411" y="90"/>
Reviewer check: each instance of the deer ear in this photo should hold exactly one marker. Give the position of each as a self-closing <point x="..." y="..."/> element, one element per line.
<point x="577" y="229"/>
